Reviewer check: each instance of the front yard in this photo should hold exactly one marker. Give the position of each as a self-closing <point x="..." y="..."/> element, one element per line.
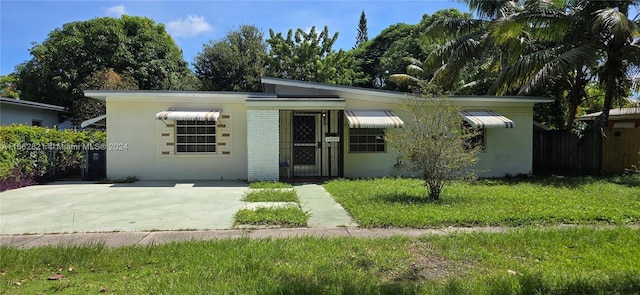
<point x="391" y="202"/>
<point x="528" y="259"/>
<point x="523" y="261"/>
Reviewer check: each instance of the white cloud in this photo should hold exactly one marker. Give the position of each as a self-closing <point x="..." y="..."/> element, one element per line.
<point x="115" y="11"/>
<point x="192" y="26"/>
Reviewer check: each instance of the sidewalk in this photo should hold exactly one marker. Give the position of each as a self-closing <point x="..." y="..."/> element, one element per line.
<point x="119" y="239"/>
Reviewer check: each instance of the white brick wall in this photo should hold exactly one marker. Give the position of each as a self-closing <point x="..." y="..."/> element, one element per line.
<point x="263" y="144"/>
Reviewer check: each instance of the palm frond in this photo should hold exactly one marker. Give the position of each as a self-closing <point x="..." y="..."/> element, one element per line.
<point x="415" y="70"/>
<point x="404" y="79"/>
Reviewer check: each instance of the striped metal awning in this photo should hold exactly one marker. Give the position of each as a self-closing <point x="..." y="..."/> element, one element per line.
<point x="486" y="119"/>
<point x="373" y="119"/>
<point x="189" y="115"/>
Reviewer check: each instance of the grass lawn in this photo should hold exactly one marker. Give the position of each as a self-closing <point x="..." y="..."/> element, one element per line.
<point x="285" y="216"/>
<point x="525" y="261"/>
<point x="391" y="202"/>
<point x="271" y="195"/>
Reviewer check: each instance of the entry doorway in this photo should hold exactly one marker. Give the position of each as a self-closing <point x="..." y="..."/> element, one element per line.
<point x="307" y="144"/>
<point x="311" y="144"/>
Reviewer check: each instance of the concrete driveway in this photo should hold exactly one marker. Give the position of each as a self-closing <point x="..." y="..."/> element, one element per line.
<point x="66" y="207"/>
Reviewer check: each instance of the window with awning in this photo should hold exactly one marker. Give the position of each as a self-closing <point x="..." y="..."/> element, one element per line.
<point x="373" y="119"/>
<point x="486" y="119"/>
<point x="189" y="115"/>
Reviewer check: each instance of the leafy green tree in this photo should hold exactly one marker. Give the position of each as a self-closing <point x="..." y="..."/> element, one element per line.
<point x="369" y="56"/>
<point x="86" y="107"/>
<point x="587" y="39"/>
<point x="133" y="45"/>
<point x="7" y="86"/>
<point x="363" y="31"/>
<point x="233" y="63"/>
<point x="438" y="147"/>
<point x="581" y="41"/>
<point x="309" y="56"/>
<point x="396" y="48"/>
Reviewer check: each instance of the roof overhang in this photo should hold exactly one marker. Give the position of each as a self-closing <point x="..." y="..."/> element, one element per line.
<point x="172" y="96"/>
<point x="300" y="103"/>
<point x="94" y="121"/>
<point x="386" y="95"/>
<point x="31" y="104"/>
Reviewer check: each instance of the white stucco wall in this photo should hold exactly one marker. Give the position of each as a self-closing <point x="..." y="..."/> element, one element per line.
<point x="508" y="151"/>
<point x="263" y="144"/>
<point x="14" y="114"/>
<point x="148" y="155"/>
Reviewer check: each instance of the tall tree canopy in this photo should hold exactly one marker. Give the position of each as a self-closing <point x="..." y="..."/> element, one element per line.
<point x="363" y="31"/>
<point x="233" y="63"/>
<point x="8" y="86"/>
<point x="130" y="45"/>
<point x="397" y="47"/>
<point x="309" y="56"/>
<point x="370" y="55"/>
<point x="581" y="41"/>
<point x="107" y="79"/>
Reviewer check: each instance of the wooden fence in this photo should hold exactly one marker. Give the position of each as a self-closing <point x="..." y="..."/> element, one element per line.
<point x="620" y="150"/>
<point x="562" y="152"/>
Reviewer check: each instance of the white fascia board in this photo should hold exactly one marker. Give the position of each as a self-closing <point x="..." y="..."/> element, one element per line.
<point x="174" y="96"/>
<point x="310" y="104"/>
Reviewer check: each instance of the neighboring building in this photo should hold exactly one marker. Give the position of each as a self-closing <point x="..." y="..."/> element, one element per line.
<point x="294" y="129"/>
<point x="15" y="111"/>
<point x="618" y="118"/>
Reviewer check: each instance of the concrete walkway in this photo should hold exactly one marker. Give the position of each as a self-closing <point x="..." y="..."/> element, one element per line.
<point x="324" y="210"/>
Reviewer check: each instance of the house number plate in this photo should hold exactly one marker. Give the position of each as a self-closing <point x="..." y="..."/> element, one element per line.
<point x="332" y="138"/>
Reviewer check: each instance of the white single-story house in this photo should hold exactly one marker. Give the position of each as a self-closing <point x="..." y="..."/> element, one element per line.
<point x="31" y="113"/>
<point x="292" y="130"/>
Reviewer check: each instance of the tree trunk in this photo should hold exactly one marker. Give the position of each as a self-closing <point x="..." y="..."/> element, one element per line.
<point x="576" y="96"/>
<point x="613" y="64"/>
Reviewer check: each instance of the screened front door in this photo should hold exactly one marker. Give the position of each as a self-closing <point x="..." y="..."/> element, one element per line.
<point x="307" y="141"/>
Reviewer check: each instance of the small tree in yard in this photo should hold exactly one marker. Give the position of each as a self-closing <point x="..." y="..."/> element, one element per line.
<point x="439" y="148"/>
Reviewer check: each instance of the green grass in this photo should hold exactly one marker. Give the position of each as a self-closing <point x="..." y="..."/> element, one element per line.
<point x="512" y="202"/>
<point x="271" y="195"/>
<point x="269" y="184"/>
<point x="285" y="216"/>
<point x="542" y="261"/>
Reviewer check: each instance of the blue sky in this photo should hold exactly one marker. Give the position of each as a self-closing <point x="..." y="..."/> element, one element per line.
<point x="194" y="23"/>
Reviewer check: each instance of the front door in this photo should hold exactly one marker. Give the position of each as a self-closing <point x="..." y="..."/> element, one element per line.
<point x="307" y="141"/>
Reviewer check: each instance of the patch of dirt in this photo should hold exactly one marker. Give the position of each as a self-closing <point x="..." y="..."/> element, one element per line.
<point x="426" y="264"/>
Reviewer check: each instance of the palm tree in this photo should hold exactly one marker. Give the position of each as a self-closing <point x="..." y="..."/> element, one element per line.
<point x="472" y="42"/>
<point x="582" y="39"/>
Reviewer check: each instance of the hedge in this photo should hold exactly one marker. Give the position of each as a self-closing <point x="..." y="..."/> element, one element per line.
<point x="32" y="154"/>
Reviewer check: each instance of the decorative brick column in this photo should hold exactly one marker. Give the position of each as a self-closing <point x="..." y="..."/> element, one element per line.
<point x="263" y="145"/>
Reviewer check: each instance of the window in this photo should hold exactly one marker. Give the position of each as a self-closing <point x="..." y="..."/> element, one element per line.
<point x="35" y="122"/>
<point x="477" y="139"/>
<point x="368" y="140"/>
<point x="195" y="136"/>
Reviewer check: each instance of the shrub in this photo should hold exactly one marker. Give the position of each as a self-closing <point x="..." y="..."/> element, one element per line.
<point x="32" y="154"/>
